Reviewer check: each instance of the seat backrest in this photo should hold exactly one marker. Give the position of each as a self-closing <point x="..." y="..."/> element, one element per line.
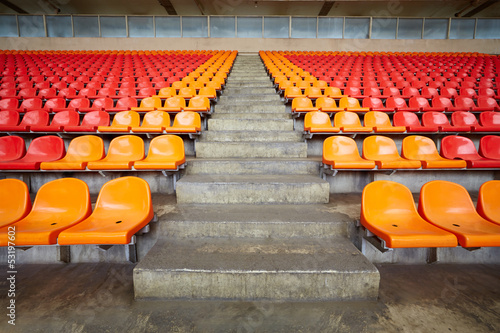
<point x="410" y="91"/>
<point x="86" y="92"/>
<point x="378" y="148"/>
<point x="487" y="201"/>
<point x="31" y="104"/>
<point x="96" y="118"/>
<point x="55" y="103"/>
<point x="175" y="102"/>
<point x="325" y="102"/>
<point x="126" y="103"/>
<point x="167" y="147"/>
<point x="383" y="199"/>
<point x="187" y="119"/>
<point x="405" y="118"/>
<point x="349" y="102"/>
<point x="45" y="149"/>
<point x="85" y="148"/>
<point x="8" y="103"/>
<point x="69" y="196"/>
<point x="377" y="119"/>
<point x="66" y="118"/>
<point x="416" y="147"/>
<point x="340" y="148"/>
<point x="301" y="102"/>
<point x="127" y="92"/>
<point x="167" y="92"/>
<point x="292" y="91"/>
<point x="463" y="118"/>
<point x="346" y="119"/>
<point x="489" y="147"/>
<point x="372" y="102"/>
<point x="126" y="118"/>
<point x="103" y="103"/>
<point x="65" y="92"/>
<point x="148" y="91"/>
<point x="464" y="102"/>
<point x="490" y="118"/>
<point x="441" y="102"/>
<point x="486" y="102"/>
<point x="454" y="146"/>
<point x="15" y="202"/>
<point x="199" y="102"/>
<point x="156" y="119"/>
<point x="312" y="91"/>
<point x="391" y="91"/>
<point x="11" y="148"/>
<point x="79" y="103"/>
<point x="126" y="148"/>
<point x="435" y="119"/>
<point x="179" y="85"/>
<point x="429" y="92"/>
<point x="47" y="93"/>
<point x="418" y="102"/>
<point x="187" y="92"/>
<point x="207" y="91"/>
<point x="448" y="92"/>
<point x="332" y="92"/>
<point x="395" y="102"/>
<point x="27" y="93"/>
<point x="38" y="118"/>
<point x="151" y="102"/>
<point x="317" y="119"/>
<point x="9" y="118"/>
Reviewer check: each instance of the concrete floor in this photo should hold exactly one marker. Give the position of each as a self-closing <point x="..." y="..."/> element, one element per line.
<point x="99" y="298"/>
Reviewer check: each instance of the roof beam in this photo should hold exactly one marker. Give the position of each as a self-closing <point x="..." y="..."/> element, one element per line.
<point x="13" y="7"/>
<point x="327" y="6"/>
<point x="168" y="7"/>
<point x="480" y="8"/>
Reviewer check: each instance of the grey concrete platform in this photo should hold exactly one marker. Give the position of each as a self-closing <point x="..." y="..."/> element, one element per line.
<point x="251" y="149"/>
<point x="256" y="269"/>
<point x="98" y="298"/>
<point x="250" y="124"/>
<point x="232" y="136"/>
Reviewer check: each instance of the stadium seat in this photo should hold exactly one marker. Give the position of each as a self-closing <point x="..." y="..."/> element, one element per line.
<point x="319" y="122"/>
<point x="292" y="93"/>
<point x="123" y="207"/>
<point x="302" y="105"/>
<point x="60" y="119"/>
<point x="487" y="201"/>
<point x="153" y="122"/>
<point x="187" y="92"/>
<point x="91" y="121"/>
<point x="124" y="104"/>
<point x="198" y="104"/>
<point x="388" y="211"/>
<point x="167" y="92"/>
<point x="411" y="122"/>
<point x="81" y="150"/>
<point x="327" y="104"/>
<point x="384" y="152"/>
<point x="166" y="152"/>
<point x="459" y="147"/>
<point x="78" y="104"/>
<point x="185" y="122"/>
<point x="30" y="104"/>
<point x="174" y="104"/>
<point x="148" y="104"/>
<point x="349" y="122"/>
<point x="41" y="149"/>
<point x="122" y="122"/>
<point x="341" y="152"/>
<point x="423" y="149"/>
<point x="490" y="119"/>
<point x="381" y="123"/>
<point x="27" y="93"/>
<point x="11" y="148"/>
<point x="375" y="104"/>
<point x="9" y="118"/>
<point x="123" y="151"/>
<point x="58" y="205"/>
<point x="30" y="118"/>
<point x="15" y="202"/>
<point x="485" y="103"/>
<point x="398" y="104"/>
<point x="489" y="147"/>
<point x="433" y="119"/>
<point x="333" y="92"/>
<point x="463" y="118"/>
<point x="351" y="104"/>
<point x="448" y="206"/>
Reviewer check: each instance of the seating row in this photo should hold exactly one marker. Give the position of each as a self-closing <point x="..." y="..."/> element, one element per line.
<point x="417" y="152"/>
<point x="62" y="212"/>
<point x="166" y="152"/>
<point x="186" y="122"/>
<point x="318" y="122"/>
<point x="446" y="215"/>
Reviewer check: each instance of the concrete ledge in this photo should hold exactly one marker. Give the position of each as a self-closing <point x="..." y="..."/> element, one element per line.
<point x="250" y="149"/>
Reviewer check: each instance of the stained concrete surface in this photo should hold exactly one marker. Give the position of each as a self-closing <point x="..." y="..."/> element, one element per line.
<point x="99" y="298"/>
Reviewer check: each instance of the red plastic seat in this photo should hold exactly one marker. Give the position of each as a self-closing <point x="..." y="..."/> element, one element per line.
<point x="391" y="91"/>
<point x="448" y="92"/>
<point x="440" y="120"/>
<point x="31" y="104"/>
<point x="489" y="147"/>
<point x="47" y="93"/>
<point x="11" y="148"/>
<point x="42" y="149"/>
<point x="8" y="118"/>
<point x="463" y="103"/>
<point x="66" y="93"/>
<point x="409" y="92"/>
<point x="55" y="105"/>
<point x="8" y="93"/>
<point x="124" y="104"/>
<point x="31" y="118"/>
<point x="27" y="93"/>
<point x="375" y="104"/>
<point x="463" y="148"/>
<point x="91" y="121"/>
<point x="486" y="104"/>
<point x="490" y="119"/>
<point x="463" y="118"/>
<point x="467" y="92"/>
<point x="61" y="119"/>
<point x="99" y="104"/>
<point x="429" y="93"/>
<point x="411" y="122"/>
<point x="399" y="104"/>
<point x="78" y="103"/>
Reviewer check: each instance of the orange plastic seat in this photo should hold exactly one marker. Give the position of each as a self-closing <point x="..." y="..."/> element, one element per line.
<point x="122" y="122"/>
<point x="384" y="152"/>
<point x="313" y="92"/>
<point x="58" y="205"/>
<point x="167" y="92"/>
<point x="487" y="201"/>
<point x="174" y="104"/>
<point x="423" y="149"/>
<point x="123" y="151"/>
<point x="81" y="150"/>
<point x="342" y="153"/>
<point x="327" y="104"/>
<point x="333" y="92"/>
<point x="148" y="104"/>
<point x="449" y="206"/>
<point x="302" y="104"/>
<point x="123" y="207"/>
<point x="208" y="92"/>
<point x="388" y="211"/>
<point x="381" y="123"/>
<point x="15" y="202"/>
<point x="319" y="122"/>
<point x="187" y="92"/>
<point x="198" y="104"/>
<point x="349" y="122"/>
<point x="351" y="104"/>
<point x="293" y="92"/>
<point x="153" y="122"/>
<point x="166" y="152"/>
<point x="185" y="122"/>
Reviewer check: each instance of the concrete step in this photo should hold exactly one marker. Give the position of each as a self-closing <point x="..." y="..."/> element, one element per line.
<point x="256" y="269"/>
<point x="243" y="102"/>
<point x="240" y="166"/>
<point x="270" y="107"/>
<point x="251" y="84"/>
<point x="236" y="79"/>
<point x="249" y="97"/>
<point x="253" y="149"/>
<point x="237" y="136"/>
<point x="242" y="90"/>
<point x="247" y="115"/>
<point x="250" y="124"/>
<point x="252" y="189"/>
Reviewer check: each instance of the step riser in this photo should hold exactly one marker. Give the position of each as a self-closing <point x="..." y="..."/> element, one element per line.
<point x="228" y="167"/>
<point x="248" y="97"/>
<point x="251" y="108"/>
<point x="251" y="150"/>
<point x="251" y="193"/>
<point x="250" y="125"/>
<point x="239" y="136"/>
<point x="241" y="91"/>
<point x="241" y="116"/>
<point x="262" y="84"/>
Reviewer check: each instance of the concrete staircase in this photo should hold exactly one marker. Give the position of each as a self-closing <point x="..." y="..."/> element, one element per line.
<point x="251" y="221"/>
